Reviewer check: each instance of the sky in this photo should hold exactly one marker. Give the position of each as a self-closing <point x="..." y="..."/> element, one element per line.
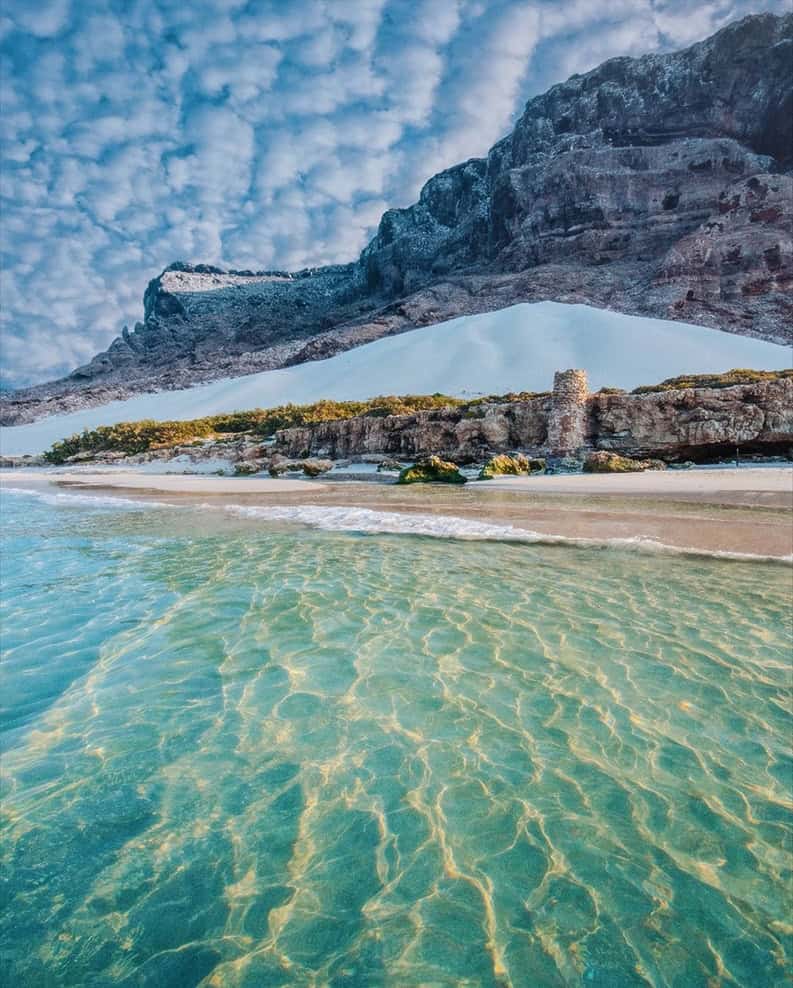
<point x="254" y="134"/>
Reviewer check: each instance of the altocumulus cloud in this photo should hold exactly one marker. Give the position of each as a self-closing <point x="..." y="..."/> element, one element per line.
<point x="254" y="134"/>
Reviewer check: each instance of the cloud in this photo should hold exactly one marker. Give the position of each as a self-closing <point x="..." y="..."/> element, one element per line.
<point x="253" y="134"/>
<point x="44" y="19"/>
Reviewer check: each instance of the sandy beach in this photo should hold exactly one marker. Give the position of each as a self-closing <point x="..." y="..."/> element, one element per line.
<point x="745" y="511"/>
<point x="709" y="482"/>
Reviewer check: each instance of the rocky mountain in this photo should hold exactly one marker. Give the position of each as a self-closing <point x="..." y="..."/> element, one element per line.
<point x="660" y="185"/>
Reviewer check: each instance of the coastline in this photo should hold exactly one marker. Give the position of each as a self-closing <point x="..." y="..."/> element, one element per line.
<point x="741" y="512"/>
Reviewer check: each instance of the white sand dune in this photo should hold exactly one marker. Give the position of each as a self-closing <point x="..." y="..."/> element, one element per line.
<point x="514" y="349"/>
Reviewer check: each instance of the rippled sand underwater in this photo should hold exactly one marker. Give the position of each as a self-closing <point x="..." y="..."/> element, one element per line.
<point x="240" y="754"/>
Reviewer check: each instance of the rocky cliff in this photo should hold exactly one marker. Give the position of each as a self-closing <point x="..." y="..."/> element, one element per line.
<point x="676" y="424"/>
<point x="660" y="186"/>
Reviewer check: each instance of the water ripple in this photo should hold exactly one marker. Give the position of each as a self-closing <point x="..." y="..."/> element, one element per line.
<point x="258" y="757"/>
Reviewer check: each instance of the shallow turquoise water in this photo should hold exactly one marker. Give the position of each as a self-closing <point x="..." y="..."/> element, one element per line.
<point x="241" y="754"/>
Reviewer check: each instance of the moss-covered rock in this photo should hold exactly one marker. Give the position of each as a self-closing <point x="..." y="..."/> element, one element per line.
<point x="504" y="465"/>
<point x="432" y="470"/>
<point x="606" y="462"/>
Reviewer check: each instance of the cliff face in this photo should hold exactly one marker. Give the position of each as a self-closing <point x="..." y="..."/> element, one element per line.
<point x="658" y="186"/>
<point x="448" y="431"/>
<point x="690" y="423"/>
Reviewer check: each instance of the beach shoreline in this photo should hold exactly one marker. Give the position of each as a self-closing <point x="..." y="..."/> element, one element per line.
<point x="716" y="511"/>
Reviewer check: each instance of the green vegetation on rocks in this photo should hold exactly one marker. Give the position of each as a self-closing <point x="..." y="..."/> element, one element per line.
<point x="130" y="438"/>
<point x="729" y="379"/>
<point x="139" y="437"/>
<point x="606" y="462"/>
<point x="505" y="465"/>
<point x="148" y="434"/>
<point x="431" y="470"/>
<point x="509" y="397"/>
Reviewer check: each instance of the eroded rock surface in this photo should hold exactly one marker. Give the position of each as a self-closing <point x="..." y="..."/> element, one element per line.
<point x="691" y="423"/>
<point x="658" y="186"/>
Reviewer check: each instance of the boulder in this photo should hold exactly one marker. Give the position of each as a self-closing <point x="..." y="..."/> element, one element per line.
<point x="505" y="465"/>
<point x="605" y="462"/>
<point x="432" y="470"/>
<point x="515" y="465"/>
<point x="313" y="468"/>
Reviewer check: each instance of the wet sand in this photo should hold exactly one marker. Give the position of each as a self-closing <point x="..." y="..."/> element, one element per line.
<point x="747" y="511"/>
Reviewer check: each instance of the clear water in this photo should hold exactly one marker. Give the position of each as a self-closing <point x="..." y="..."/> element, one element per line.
<point x="248" y="754"/>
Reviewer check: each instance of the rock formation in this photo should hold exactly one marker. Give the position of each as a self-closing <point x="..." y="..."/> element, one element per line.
<point x="685" y="424"/>
<point x="432" y="470"/>
<point x="603" y="461"/>
<point x="659" y="186"/>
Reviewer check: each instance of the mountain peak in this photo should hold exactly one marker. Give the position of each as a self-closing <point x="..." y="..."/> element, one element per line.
<point x="656" y="185"/>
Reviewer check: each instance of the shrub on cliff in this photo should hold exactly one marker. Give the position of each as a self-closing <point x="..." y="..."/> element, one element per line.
<point x="509" y="397"/>
<point x="147" y="434"/>
<point x="605" y="462"/>
<point x="291" y="416"/>
<point x="728" y="379"/>
<point x="129" y="438"/>
<point x="431" y="470"/>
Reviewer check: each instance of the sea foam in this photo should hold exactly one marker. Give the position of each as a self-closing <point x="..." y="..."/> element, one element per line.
<point x="370" y="521"/>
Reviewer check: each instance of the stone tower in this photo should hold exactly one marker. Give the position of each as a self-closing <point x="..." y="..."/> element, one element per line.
<point x="567" y="430"/>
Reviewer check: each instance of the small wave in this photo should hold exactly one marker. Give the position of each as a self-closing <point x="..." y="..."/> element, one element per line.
<point x="378" y="522"/>
<point x="367" y="520"/>
<point x="92" y="500"/>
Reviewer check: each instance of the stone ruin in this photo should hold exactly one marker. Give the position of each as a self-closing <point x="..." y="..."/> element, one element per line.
<point x="567" y="416"/>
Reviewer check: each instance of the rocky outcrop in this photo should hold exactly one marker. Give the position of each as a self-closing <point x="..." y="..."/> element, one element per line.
<point x="602" y="461"/>
<point x="688" y="423"/>
<point x="738" y="255"/>
<point x="674" y="425"/>
<point x="467" y="436"/>
<point x="659" y="185"/>
<point x="432" y="470"/>
<point x="504" y="465"/>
